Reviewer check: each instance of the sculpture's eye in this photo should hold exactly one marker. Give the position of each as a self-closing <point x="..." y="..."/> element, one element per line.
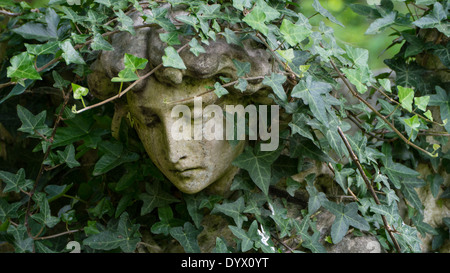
<point x="152" y="120"/>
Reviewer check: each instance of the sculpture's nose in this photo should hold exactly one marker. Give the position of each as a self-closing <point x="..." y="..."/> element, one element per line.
<point x="176" y="149"/>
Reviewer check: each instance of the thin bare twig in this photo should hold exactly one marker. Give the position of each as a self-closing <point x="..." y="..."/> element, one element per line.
<point x="369" y="186"/>
<point x="7" y="84"/>
<point x="355" y="94"/>
<point x="42" y="168"/>
<point x="129" y="87"/>
<point x="9" y="13"/>
<point x="398" y="104"/>
<point x="58" y="235"/>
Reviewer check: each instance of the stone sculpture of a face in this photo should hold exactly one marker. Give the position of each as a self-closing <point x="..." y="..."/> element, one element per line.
<point x="191" y="165"/>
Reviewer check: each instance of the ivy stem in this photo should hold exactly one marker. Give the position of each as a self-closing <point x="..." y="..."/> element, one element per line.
<point x="369" y="187"/>
<point x="9" y="13"/>
<point x="344" y="79"/>
<point x="57" y="235"/>
<point x="42" y="168"/>
<point x="129" y="87"/>
<point x="413" y="112"/>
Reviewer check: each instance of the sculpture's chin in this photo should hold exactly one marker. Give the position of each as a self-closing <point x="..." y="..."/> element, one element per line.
<point x="191" y="181"/>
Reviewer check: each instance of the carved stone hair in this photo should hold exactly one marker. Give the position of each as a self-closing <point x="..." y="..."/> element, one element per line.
<point x="217" y="61"/>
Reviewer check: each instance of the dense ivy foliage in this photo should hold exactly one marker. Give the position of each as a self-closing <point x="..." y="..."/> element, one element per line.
<point x="65" y="178"/>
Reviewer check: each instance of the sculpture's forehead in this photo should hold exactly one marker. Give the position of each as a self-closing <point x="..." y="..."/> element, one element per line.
<point x="162" y="97"/>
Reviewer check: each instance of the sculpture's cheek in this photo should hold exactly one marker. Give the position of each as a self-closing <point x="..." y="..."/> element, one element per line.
<point x="191" y="165"/>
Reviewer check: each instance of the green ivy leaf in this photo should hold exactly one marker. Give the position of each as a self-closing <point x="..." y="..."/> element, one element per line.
<point x="187" y="237"/>
<point x="44" y="216"/>
<point x="22" y="242"/>
<point x="405" y="96"/>
<point x="196" y="48"/>
<point x="126" y="75"/>
<point x="346" y="215"/>
<point x="381" y="23"/>
<point x="396" y="172"/>
<point x="165" y="215"/>
<point x="231" y="37"/>
<point x="442" y="99"/>
<point x="435" y="181"/>
<point x="126" y="236"/>
<point x="288" y="55"/>
<point x="188" y="19"/>
<point x="407" y="189"/>
<point x="310" y="92"/>
<point x="39" y="31"/>
<point x="443" y="54"/>
<point x="22" y="67"/>
<point x="391" y="213"/>
<point x="242" y="68"/>
<point x="115" y="155"/>
<point x="68" y="156"/>
<point x="172" y="59"/>
<point x="303" y="147"/>
<point x="8" y="210"/>
<point x="318" y="7"/>
<point x="133" y="62"/>
<point x="71" y="15"/>
<point x="193" y="207"/>
<point x="15" y="182"/>
<point x="256" y="19"/>
<point x="386" y="84"/>
<point x="79" y="91"/>
<point x="310" y="242"/>
<point x="299" y="125"/>
<point x="257" y="163"/>
<point x="70" y="55"/>
<point x="54" y="191"/>
<point x="241" y="85"/>
<point x="275" y="81"/>
<point x="247" y="238"/>
<point x="221" y="246"/>
<point x="293" y="33"/>
<point x="31" y="124"/>
<point x="155" y="197"/>
<point x="104" y="206"/>
<point x="126" y="23"/>
<point x="407" y="74"/>
<point x="99" y="43"/>
<point x="42" y="49"/>
<point x="159" y="17"/>
<point x="60" y="82"/>
<point x="358" y="77"/>
<point x="413" y="122"/>
<point x="241" y="4"/>
<point x="233" y="210"/>
<point x="435" y="20"/>
<point x="359" y="56"/>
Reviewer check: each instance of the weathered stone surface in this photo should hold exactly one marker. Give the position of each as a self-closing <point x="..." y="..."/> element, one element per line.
<point x="434" y="210"/>
<point x="194" y="164"/>
<point x="355" y="244"/>
<point x="350" y="243"/>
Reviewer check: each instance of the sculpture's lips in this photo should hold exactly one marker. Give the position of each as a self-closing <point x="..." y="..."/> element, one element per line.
<point x="185" y="170"/>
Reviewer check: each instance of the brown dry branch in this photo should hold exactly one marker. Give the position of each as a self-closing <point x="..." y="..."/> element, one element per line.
<point x="355" y="94"/>
<point x="369" y="187"/>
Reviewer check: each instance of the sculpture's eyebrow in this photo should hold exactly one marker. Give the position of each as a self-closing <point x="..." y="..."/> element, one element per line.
<point x="146" y="111"/>
<point x="206" y="100"/>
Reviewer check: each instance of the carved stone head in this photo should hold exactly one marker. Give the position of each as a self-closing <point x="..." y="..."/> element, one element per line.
<point x="191" y="165"/>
